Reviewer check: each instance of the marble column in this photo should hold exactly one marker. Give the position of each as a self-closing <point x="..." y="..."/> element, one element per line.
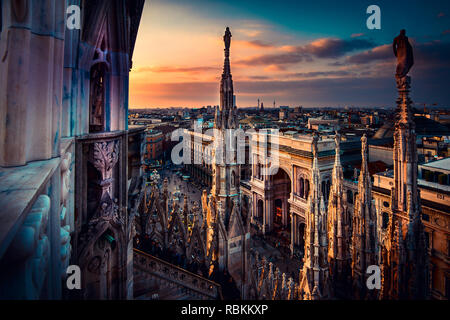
<point x="293" y="231"/>
<point x="31" y="76"/>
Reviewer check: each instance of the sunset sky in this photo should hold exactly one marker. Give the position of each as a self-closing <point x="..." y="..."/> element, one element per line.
<point x="310" y="53"/>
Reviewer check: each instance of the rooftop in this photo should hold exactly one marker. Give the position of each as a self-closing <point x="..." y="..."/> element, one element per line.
<point x="443" y="164"/>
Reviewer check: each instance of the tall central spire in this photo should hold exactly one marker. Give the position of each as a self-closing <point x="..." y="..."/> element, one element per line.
<point x="225" y="117"/>
<point x="226" y="65"/>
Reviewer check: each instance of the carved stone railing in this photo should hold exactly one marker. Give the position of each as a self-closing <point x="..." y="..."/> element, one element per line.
<point x="36" y="215"/>
<point x="198" y="286"/>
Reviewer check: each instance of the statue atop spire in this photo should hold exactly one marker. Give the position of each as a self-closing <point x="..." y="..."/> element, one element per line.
<point x="227" y="38"/>
<point x="225" y="117"/>
<point x="225" y="190"/>
<point x="404" y="53"/>
<point x="411" y="264"/>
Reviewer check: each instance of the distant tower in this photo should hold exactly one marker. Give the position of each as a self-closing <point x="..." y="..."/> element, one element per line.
<point x="364" y="238"/>
<point x="262" y="106"/>
<point x="339" y="228"/>
<point x="274" y="104"/>
<point x="314" y="278"/>
<point x="258" y="104"/>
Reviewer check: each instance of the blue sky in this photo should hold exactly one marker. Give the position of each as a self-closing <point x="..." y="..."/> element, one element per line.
<point x="311" y="53"/>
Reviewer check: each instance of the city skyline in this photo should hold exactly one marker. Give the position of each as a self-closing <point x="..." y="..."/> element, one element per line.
<point x="322" y="58"/>
<point x="101" y="201"/>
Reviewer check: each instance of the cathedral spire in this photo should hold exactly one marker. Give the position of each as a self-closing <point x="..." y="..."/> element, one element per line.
<point x="407" y="196"/>
<point x="225" y="117"/>
<point x="364" y="226"/>
<point x="338" y="226"/>
<point x="314" y="282"/>
<point x="225" y="189"/>
<point x="405" y="262"/>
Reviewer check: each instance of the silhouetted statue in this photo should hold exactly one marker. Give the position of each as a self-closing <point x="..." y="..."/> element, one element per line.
<point x="227" y="38"/>
<point x="404" y="53"/>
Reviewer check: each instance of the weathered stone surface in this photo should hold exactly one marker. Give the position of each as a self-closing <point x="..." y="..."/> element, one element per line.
<point x="19" y="189"/>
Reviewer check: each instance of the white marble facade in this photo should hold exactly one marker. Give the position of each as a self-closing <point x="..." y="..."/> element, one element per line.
<point x="48" y="77"/>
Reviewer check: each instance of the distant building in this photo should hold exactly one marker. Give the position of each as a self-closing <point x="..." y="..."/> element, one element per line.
<point x="284" y="112"/>
<point x="153" y="150"/>
<point x="433" y="147"/>
<point x="323" y="124"/>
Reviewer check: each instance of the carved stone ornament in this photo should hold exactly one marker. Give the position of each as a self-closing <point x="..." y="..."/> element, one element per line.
<point x="106" y="215"/>
<point x="104" y="157"/>
<point x="403" y="83"/>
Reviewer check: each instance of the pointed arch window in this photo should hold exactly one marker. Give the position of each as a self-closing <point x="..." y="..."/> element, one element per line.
<point x="97" y="98"/>
<point x="233" y="179"/>
<point x="328" y="187"/>
<point x="302" y="188"/>
<point x="306" y="189"/>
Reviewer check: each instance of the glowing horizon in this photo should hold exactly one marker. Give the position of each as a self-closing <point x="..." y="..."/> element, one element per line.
<point x="178" y="56"/>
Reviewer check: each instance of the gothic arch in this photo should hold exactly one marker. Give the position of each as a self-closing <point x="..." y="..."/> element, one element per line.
<point x="196" y="249"/>
<point x="302" y="185"/>
<point x="101" y="258"/>
<point x="98" y="92"/>
<point x="288" y="172"/>
<point x="177" y="235"/>
<point x="233" y="178"/>
<point x="260" y="208"/>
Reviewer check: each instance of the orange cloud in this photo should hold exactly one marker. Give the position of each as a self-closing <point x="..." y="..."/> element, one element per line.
<point x="255" y="44"/>
<point x="274" y="68"/>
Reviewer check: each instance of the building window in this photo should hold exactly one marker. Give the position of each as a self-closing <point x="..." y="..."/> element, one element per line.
<point x="350" y="196"/>
<point x="442" y="179"/>
<point x="259" y="173"/>
<point x="306" y="189"/>
<point x="302" y="188"/>
<point x="425" y="217"/>
<point x="385" y="220"/>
